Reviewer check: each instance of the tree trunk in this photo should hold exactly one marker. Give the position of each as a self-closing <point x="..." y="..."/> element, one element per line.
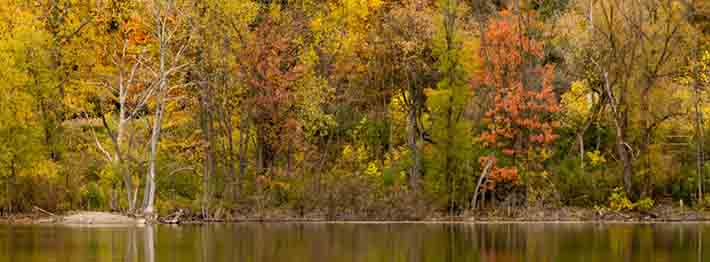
<point x="207" y="126"/>
<point x="128" y="185"/>
<point x="700" y="153"/>
<point x="243" y="144"/>
<point x="12" y="188"/>
<point x="580" y="140"/>
<point x="149" y="195"/>
<point x="229" y="157"/>
<point x="412" y="139"/>
<point x="619" y="127"/>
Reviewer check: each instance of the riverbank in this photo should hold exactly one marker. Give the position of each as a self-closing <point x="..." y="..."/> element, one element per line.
<point x="72" y="218"/>
<point x="566" y="214"/>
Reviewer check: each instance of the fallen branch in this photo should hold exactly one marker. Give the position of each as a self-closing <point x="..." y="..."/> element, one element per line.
<point x="44" y="211"/>
<point x="484" y="175"/>
<point x="175" y="218"/>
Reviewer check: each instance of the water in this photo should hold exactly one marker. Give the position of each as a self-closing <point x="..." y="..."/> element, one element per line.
<point x="358" y="242"/>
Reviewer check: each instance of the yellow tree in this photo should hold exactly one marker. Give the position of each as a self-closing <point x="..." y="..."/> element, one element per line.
<point x="23" y="71"/>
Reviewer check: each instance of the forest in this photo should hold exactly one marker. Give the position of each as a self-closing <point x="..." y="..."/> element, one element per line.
<point x="370" y="109"/>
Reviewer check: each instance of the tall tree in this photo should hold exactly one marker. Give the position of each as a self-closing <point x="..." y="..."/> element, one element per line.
<point x="171" y="36"/>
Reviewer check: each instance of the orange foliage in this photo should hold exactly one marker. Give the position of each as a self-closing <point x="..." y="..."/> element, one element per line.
<point x="519" y="120"/>
<point x="269" y="64"/>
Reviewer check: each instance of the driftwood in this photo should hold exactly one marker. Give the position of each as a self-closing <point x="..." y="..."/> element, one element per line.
<point x="484" y="175"/>
<point x="44" y="211"/>
<point x="174" y="218"/>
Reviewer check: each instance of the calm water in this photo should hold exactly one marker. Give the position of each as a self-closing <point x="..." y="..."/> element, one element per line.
<point x="359" y="242"/>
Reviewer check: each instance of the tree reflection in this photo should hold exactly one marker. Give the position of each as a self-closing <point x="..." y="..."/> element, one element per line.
<point x="149" y="241"/>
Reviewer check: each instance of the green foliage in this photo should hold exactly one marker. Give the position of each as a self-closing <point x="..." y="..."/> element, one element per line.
<point x="644" y="204"/>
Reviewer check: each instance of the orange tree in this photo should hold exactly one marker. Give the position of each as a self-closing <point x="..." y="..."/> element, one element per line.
<point x="520" y="124"/>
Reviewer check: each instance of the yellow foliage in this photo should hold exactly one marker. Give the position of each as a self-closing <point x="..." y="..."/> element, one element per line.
<point x="577" y="103"/>
<point x="372" y="169"/>
<point x="347" y="152"/>
<point x="595" y="158"/>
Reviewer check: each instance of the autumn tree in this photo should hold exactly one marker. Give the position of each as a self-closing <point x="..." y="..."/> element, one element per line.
<point x="24" y="64"/>
<point x="451" y="130"/>
<point x="121" y="83"/>
<point x="171" y="35"/>
<point x="643" y="37"/>
<point x="520" y="123"/>
<point x="406" y="45"/>
<point x="269" y="66"/>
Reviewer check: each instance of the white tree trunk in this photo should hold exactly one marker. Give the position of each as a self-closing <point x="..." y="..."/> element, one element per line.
<point x="149" y="193"/>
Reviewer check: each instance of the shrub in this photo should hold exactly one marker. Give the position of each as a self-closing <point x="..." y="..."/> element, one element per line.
<point x="619" y="202"/>
<point x="578" y="187"/>
<point x="645" y="204"/>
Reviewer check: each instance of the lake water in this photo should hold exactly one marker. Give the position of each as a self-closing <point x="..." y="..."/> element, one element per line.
<point x="415" y="242"/>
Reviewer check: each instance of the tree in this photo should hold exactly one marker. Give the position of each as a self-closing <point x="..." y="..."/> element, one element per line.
<point x="269" y="66"/>
<point x="171" y="35"/>
<point x="121" y="80"/>
<point x="521" y="123"/>
<point x="642" y="37"/>
<point x="451" y="129"/>
<point x="409" y="30"/>
<point x="23" y="64"/>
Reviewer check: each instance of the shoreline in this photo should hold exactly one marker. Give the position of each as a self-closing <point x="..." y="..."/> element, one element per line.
<point x="565" y="215"/>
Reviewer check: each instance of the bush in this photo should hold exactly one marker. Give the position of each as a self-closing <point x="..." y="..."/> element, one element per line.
<point x="644" y="205"/>
<point x="704" y="203"/>
<point x="578" y="187"/>
<point x="619" y="202"/>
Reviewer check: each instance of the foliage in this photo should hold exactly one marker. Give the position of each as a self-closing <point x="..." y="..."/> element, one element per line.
<point x="618" y="201"/>
<point x="520" y="123"/>
<point x="644" y="204"/>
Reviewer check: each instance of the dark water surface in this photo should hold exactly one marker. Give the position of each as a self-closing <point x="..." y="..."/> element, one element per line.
<point x="417" y="242"/>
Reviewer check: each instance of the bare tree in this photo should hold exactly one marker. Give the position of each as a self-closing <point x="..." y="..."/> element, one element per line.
<point x="171" y="36"/>
<point x="127" y="66"/>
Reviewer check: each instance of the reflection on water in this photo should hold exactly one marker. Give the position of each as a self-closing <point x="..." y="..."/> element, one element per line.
<point x="358" y="242"/>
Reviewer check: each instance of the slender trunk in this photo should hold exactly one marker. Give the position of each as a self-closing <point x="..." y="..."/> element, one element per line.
<point x="450" y="125"/>
<point x="128" y="185"/>
<point x="243" y="144"/>
<point x="619" y="127"/>
<point x="700" y="158"/>
<point x="113" y="196"/>
<point x="207" y="126"/>
<point x="11" y="187"/>
<point x="259" y="152"/>
<point x="229" y="157"/>
<point x="122" y="120"/>
<point x="699" y="147"/>
<point x="646" y="115"/>
<point x="149" y="195"/>
<point x="481" y="179"/>
<point x="580" y="139"/>
<point x="413" y="147"/>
